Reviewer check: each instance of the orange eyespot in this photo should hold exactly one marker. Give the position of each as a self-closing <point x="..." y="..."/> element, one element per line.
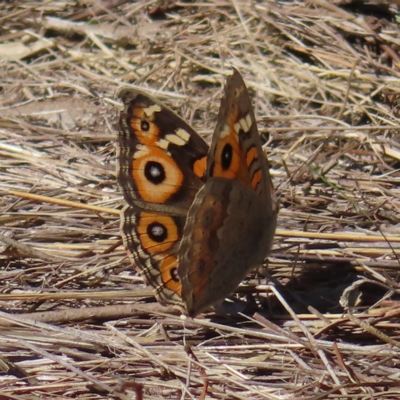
<point x="168" y="269"/>
<point x="156" y="175"/>
<point x="227" y="158"/>
<point x="146" y="131"/>
<point x="157" y="233"/>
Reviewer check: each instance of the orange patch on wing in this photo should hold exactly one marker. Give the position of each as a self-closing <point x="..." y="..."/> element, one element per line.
<point x="150" y="245"/>
<point x="251" y="156"/>
<point x="231" y="172"/>
<point x="168" y="270"/>
<point x="161" y="192"/>
<point x="199" y="167"/>
<point x="256" y="179"/>
<point x="147" y="137"/>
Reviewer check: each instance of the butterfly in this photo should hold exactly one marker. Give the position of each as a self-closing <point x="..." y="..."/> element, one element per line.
<point x="197" y="219"/>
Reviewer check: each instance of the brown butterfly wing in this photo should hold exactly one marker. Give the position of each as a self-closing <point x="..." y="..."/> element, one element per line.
<point x="161" y="158"/>
<point x="231" y="224"/>
<point x="161" y="164"/>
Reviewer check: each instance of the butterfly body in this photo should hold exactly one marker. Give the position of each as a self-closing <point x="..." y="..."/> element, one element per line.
<point x="196" y="220"/>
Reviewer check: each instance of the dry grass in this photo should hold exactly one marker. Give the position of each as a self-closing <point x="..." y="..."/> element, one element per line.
<point x="77" y="322"/>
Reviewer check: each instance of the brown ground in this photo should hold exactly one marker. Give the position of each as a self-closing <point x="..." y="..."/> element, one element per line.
<point x="76" y="320"/>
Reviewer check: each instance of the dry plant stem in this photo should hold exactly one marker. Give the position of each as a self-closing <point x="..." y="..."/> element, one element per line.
<point x="105" y="313"/>
<point x="374" y="331"/>
<point x="279" y="232"/>
<point x="65" y="203"/>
